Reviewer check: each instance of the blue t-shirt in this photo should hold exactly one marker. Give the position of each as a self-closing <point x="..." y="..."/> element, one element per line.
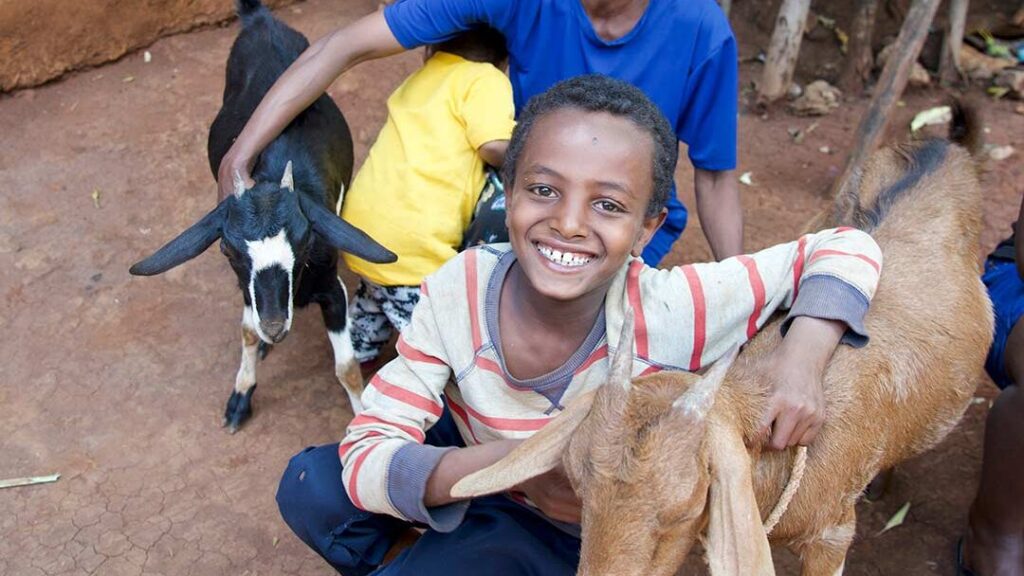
<point x="681" y="53"/>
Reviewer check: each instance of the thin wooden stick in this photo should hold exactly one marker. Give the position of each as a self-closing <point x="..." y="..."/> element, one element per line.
<point x="29" y="481"/>
<point x="889" y="89"/>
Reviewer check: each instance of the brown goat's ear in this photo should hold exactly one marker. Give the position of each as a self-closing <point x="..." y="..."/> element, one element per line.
<point x="736" y="543"/>
<point x="535" y="456"/>
<point x="699" y="398"/>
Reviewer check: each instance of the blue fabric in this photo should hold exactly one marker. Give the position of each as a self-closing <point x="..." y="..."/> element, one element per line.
<point x="682" y="54"/>
<point x="507" y="538"/>
<point x="1006" y="290"/>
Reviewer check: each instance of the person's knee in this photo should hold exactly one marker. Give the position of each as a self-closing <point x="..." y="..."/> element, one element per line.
<point x="312" y="477"/>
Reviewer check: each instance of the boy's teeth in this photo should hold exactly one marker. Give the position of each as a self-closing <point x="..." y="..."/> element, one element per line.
<point x="563" y="258"/>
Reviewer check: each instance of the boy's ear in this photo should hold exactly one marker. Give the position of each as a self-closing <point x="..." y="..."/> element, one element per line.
<point x="650" y="226"/>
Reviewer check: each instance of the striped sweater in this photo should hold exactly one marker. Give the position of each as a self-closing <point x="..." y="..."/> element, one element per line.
<point x="686" y="318"/>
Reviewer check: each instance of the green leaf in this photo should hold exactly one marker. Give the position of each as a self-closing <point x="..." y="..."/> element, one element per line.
<point x="896" y="519"/>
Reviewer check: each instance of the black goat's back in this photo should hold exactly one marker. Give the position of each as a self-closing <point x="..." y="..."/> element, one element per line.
<point x="318" y="141"/>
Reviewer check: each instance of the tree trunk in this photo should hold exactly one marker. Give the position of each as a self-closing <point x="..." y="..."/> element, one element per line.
<point x="860" y="59"/>
<point x="783" y="49"/>
<point x="726" y="6"/>
<point x="950" y="70"/>
<point x="890" y="86"/>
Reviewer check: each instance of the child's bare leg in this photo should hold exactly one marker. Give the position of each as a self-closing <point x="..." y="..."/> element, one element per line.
<point x="995" y="535"/>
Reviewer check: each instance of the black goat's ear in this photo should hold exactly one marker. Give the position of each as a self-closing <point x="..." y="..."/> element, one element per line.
<point x="343" y="235"/>
<point x="189" y="244"/>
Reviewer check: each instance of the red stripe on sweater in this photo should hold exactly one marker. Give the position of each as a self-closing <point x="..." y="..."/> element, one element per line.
<point x="596" y="355"/>
<point x="407" y="397"/>
<point x="472" y="297"/>
<point x="635" y="302"/>
<point x="346" y="446"/>
<point x="407" y="351"/>
<point x="757" y="287"/>
<point x="842" y="229"/>
<point x="650" y="370"/>
<point x="364" y="419"/>
<point x="354" y="481"/>
<point x="798" y="266"/>
<point x="423" y="289"/>
<point x="826" y="252"/>
<point x="504" y="424"/>
<point x="699" y="315"/>
<point x="458" y="411"/>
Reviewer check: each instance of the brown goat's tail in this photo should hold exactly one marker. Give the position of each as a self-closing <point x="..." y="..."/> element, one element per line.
<point x="967" y="128"/>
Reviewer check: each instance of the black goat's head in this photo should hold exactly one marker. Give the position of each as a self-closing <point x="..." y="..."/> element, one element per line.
<point x="267" y="232"/>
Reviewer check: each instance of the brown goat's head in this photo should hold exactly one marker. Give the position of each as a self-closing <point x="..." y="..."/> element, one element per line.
<point x="644" y="458"/>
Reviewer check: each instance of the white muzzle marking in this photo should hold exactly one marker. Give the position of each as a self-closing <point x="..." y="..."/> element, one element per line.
<point x="266" y="253"/>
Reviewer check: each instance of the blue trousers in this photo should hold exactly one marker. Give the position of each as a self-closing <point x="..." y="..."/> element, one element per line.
<point x="498" y="536"/>
<point x="1006" y="290"/>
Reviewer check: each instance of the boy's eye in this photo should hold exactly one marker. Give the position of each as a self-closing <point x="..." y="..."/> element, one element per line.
<point x="609" y="206"/>
<point x="543" y="191"/>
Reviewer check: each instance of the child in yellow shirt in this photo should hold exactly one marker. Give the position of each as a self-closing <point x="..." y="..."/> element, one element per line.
<point x="417" y="191"/>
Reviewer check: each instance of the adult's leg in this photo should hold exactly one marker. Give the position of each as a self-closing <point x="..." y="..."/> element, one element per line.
<point x="994" y="542"/>
<point x="314" y="504"/>
<point x="497" y="537"/>
<point x="670" y="231"/>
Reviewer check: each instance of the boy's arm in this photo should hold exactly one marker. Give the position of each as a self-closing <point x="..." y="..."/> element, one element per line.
<point x="493" y="152"/>
<point x="385" y="462"/>
<point x="720" y="210"/>
<point x="302" y="83"/>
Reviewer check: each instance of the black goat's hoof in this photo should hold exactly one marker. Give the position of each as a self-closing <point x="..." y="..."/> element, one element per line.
<point x="238" y="410"/>
<point x="263" y="350"/>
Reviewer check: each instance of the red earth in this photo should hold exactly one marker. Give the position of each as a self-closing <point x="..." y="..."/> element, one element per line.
<point x="118" y="383"/>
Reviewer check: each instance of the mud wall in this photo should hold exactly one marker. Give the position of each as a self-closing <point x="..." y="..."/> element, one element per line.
<point x="43" y="39"/>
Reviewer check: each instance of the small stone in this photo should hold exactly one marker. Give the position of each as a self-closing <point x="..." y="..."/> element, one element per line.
<point x="1001" y="152"/>
<point x="825" y="150"/>
<point x="147" y="57"/>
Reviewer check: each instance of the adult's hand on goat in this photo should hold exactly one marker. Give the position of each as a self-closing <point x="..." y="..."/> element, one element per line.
<point x="553" y="494"/>
<point x="229" y="165"/>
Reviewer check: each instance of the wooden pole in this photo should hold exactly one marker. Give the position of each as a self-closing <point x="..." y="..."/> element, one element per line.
<point x="950" y="70"/>
<point x="860" y="59"/>
<point x="889" y="89"/>
<point x="783" y="50"/>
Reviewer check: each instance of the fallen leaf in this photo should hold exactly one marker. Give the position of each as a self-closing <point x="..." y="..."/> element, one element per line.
<point x="275" y="541"/>
<point x="95" y="197"/>
<point x="931" y="116"/>
<point x="896" y="519"/>
<point x="147" y="57"/>
<point x="844" y="39"/>
<point x="31" y="480"/>
<point x="825" y="150"/>
<point x="978" y="400"/>
<point x="1001" y="152"/>
<point x="745" y="178"/>
<point x="128" y="79"/>
<point x="145" y="231"/>
<point x="998" y="92"/>
<point x="1019" y="109"/>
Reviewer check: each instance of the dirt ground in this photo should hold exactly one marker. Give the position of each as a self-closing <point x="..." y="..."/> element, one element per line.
<point x="118" y="383"/>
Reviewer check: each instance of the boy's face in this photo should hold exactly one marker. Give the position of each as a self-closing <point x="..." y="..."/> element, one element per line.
<point x="578" y="207"/>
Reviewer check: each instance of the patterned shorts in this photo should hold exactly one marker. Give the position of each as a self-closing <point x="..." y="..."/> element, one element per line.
<point x="376" y="312"/>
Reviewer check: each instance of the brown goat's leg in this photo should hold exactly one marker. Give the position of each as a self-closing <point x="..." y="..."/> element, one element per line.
<point x="826" y="556"/>
<point x="239" y="406"/>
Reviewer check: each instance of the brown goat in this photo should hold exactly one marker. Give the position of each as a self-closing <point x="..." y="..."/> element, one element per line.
<point x="662" y="459"/>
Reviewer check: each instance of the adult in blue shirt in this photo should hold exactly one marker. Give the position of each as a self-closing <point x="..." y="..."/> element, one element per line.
<point x="682" y="54"/>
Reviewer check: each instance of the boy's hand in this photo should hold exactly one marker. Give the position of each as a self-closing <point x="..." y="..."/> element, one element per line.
<point x="553" y="494"/>
<point x="796" y="407"/>
<point x="226" y="175"/>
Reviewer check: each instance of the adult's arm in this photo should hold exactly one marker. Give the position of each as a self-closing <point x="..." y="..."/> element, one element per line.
<point x="720" y="211"/>
<point x="302" y="83"/>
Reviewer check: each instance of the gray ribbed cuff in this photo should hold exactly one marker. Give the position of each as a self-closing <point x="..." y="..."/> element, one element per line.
<point x="829" y="298"/>
<point x="408" y="472"/>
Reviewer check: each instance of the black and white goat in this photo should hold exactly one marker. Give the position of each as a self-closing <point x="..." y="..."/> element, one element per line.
<point x="281" y="236"/>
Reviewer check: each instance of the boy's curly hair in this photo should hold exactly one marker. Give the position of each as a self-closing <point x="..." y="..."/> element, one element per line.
<point x="599" y="93"/>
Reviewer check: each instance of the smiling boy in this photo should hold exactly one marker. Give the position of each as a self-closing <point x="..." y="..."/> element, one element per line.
<point x="505" y="336"/>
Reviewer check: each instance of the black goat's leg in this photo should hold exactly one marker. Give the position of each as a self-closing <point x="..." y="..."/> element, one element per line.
<point x="334" y="307"/>
<point x="239" y="407"/>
